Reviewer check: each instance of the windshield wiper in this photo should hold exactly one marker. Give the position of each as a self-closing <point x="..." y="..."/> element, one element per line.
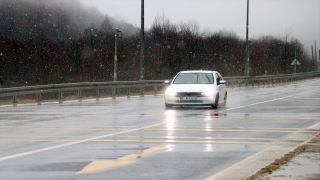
<point x="208" y="79"/>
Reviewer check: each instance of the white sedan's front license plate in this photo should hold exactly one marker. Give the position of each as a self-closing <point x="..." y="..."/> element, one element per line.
<point x="188" y="98"/>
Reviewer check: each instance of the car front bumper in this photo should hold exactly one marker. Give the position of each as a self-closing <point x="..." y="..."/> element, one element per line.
<point x="199" y="101"/>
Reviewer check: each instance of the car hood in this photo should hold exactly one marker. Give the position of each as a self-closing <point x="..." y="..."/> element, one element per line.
<point x="191" y="87"/>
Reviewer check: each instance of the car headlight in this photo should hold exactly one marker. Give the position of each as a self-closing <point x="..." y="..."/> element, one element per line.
<point x="170" y="92"/>
<point x="208" y="92"/>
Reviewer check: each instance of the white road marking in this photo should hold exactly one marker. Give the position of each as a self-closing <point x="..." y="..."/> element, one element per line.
<point x="75" y="142"/>
<point x="122" y="132"/>
<point x="268" y="101"/>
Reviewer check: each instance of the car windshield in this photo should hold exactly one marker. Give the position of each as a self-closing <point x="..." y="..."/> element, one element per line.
<point x="194" y="78"/>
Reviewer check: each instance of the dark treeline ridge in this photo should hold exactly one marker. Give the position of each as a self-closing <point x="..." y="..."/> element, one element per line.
<point x="45" y="43"/>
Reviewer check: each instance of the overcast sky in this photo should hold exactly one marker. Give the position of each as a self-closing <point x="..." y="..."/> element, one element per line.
<point x="266" y="17"/>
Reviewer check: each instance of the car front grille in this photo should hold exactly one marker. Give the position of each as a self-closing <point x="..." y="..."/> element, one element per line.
<point x="189" y="93"/>
<point x="189" y="101"/>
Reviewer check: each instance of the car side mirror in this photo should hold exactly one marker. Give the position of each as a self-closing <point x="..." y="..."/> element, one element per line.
<point x="167" y="81"/>
<point x="222" y="82"/>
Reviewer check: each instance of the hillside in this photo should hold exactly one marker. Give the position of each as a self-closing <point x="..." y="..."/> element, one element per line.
<point x="24" y="20"/>
<point x="57" y="41"/>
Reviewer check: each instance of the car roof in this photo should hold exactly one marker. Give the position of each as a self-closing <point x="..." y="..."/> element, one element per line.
<point x="197" y="71"/>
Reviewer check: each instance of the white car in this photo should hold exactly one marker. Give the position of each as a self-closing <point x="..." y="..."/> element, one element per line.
<point x="198" y="88"/>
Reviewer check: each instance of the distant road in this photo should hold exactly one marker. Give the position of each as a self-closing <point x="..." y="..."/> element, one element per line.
<point x="137" y="138"/>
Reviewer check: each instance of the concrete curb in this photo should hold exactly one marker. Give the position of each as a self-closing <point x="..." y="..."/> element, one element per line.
<point x="256" y="165"/>
<point x="279" y="162"/>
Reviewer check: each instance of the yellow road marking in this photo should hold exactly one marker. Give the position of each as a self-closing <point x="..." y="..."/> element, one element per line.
<point x="182" y="128"/>
<point x="220" y="129"/>
<point x="103" y="164"/>
<point x="180" y="137"/>
<point x="153" y="141"/>
<point x="142" y="139"/>
<point x="250" y="117"/>
<point x="303" y="99"/>
<point x="186" y="142"/>
<point x="191" y="128"/>
<point x="122" y="128"/>
<point x="115" y="138"/>
<point x="137" y="116"/>
<point x="285" y="107"/>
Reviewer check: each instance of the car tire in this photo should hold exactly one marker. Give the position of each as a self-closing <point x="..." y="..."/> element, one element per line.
<point x="225" y="100"/>
<point x="168" y="106"/>
<point x="215" y="105"/>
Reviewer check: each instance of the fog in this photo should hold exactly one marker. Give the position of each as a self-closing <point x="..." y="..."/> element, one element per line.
<point x="267" y="17"/>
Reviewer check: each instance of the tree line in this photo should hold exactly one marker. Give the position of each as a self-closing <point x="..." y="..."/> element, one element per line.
<point x="44" y="45"/>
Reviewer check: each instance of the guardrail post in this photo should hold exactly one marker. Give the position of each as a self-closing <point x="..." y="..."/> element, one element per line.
<point x="155" y="90"/>
<point x="79" y="95"/>
<point x="39" y="98"/>
<point x="128" y="92"/>
<point x="141" y="91"/>
<point x="232" y="84"/>
<point x="15" y="100"/>
<point x="252" y="81"/>
<point x="97" y="94"/>
<point x="60" y="97"/>
<point x="113" y="93"/>
<point x="246" y="83"/>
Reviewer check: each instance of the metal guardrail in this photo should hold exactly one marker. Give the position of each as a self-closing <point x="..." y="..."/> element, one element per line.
<point x="270" y="79"/>
<point x="128" y="85"/>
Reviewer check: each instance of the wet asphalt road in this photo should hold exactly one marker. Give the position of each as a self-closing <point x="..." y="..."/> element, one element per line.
<point x="138" y="138"/>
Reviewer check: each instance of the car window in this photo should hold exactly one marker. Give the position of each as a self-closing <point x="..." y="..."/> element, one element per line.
<point x="194" y="78"/>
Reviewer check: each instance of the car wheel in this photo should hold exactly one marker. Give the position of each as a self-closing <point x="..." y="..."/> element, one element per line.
<point x="215" y="105"/>
<point x="168" y="106"/>
<point x="225" y="100"/>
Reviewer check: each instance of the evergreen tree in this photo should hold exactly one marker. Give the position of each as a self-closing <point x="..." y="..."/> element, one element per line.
<point x="106" y="26"/>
